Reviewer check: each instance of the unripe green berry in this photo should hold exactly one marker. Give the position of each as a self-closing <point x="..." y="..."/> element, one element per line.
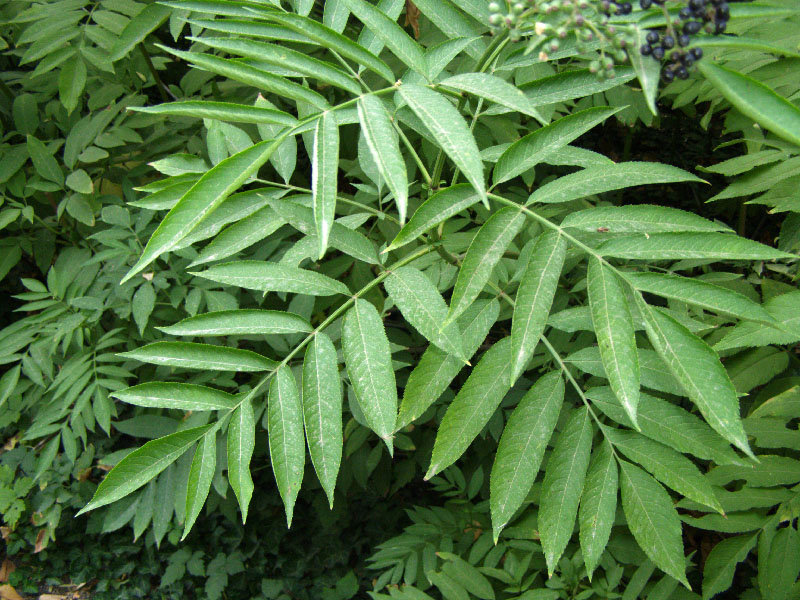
<point x="494" y="7"/>
<point x="611" y="73"/>
<point x="495" y="19"/>
<point x="518" y="8"/>
<point x="554" y="45"/>
<point x="514" y="35"/>
<point x="594" y="66"/>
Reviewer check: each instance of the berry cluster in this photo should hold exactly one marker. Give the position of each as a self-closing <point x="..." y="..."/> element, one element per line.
<point x="549" y="22"/>
<point x="708" y="15"/>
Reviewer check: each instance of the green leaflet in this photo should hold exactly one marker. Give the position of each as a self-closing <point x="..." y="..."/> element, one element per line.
<point x="530" y="150"/>
<point x="142" y="465"/>
<point x="324" y="169"/>
<point x="647" y="70"/>
<point x="449" y="587"/>
<point x="204" y="465"/>
<point x="43" y="161"/>
<point x="182" y="396"/>
<point x="287" y="449"/>
<point x="247" y="321"/>
<point x="472" y="407"/>
<point x="778" y="577"/>
<point x="284" y="159"/>
<point x="521" y="448"/>
<point x="423" y="306"/>
<point x="721" y="563"/>
<point x="436" y="209"/>
<point x="596" y="180"/>
<point x="653" y="520"/>
<point x="322" y="411"/>
<point x="535" y="298"/>
<point x="492" y="88"/>
<point x="257" y="78"/>
<point x="666" y="465"/>
<point x="700" y="293"/>
<point x="223" y="111"/>
<point x="664" y="246"/>
<point x="328" y="38"/>
<point x="450" y="131"/>
<point x="71" y="83"/>
<point x="784" y="309"/>
<point x="273" y="277"/>
<point x="570" y="85"/>
<point x="698" y="369"/>
<point x="384" y="149"/>
<point x="138" y="28"/>
<point x="285" y="58"/>
<point x="241" y="443"/>
<point x="436" y="369"/>
<point x="655" y="374"/>
<point x="258" y="226"/>
<point x="369" y="366"/>
<point x="204" y="196"/>
<point x="614" y="328"/>
<point x="342" y="238"/>
<point x="669" y="424"/>
<point x="390" y="33"/>
<point x="470" y="577"/>
<point x="755" y="100"/>
<point x="484" y="253"/>
<point x="562" y="486"/>
<point x="598" y="506"/>
<point x="189" y="355"/>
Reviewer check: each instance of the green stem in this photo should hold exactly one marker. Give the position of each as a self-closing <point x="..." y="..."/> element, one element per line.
<point x="165" y="92"/>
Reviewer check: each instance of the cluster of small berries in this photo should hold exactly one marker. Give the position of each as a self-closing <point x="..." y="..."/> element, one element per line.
<point x="698" y="15"/>
<point x="552" y="21"/>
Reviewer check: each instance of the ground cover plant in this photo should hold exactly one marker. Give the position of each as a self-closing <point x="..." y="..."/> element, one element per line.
<point x="401" y="299"/>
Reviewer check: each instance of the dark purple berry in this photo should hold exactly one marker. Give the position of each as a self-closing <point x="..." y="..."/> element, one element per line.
<point x="723" y="11"/>
<point x="697" y="4"/>
<point x="684" y="40"/>
<point x="645" y="4"/>
<point x="668" y="42"/>
<point x="720" y="27"/>
<point x="652" y="37"/>
<point x="658" y="53"/>
<point x="684" y="13"/>
<point x="697" y="53"/>
<point x="692" y="27"/>
<point x="659" y="2"/>
<point x="625" y="8"/>
<point x="682" y="73"/>
<point x="687" y="60"/>
<point x="668" y="75"/>
<point x="646" y="50"/>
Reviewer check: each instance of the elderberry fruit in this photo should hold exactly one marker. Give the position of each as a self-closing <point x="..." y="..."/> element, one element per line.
<point x="692" y="27"/>
<point x="682" y="73"/>
<point x="658" y="53"/>
<point x="646" y="50"/>
<point x="668" y="42"/>
<point x="697" y="4"/>
<point x="697" y="53"/>
<point x="684" y="40"/>
<point x="652" y="37"/>
<point x="720" y="27"/>
<point x="684" y="13"/>
<point x="668" y="76"/>
<point x="645" y="4"/>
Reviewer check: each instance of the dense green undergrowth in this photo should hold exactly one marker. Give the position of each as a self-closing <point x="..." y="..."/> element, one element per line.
<point x="479" y="306"/>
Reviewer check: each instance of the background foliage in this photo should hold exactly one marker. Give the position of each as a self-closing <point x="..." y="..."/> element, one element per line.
<point x="232" y="231"/>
